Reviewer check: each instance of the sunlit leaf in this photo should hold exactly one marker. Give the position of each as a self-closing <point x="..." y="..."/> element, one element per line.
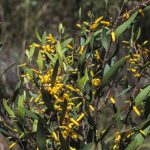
<point x="8" y="109"/>
<point x="142" y="95"/>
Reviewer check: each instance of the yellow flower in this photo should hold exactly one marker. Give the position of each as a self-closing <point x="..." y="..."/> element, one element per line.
<point x="94" y="26"/>
<point x="51" y="39"/>
<point x="118" y="137"/>
<point x="80" y="117"/>
<point x="38" y="98"/>
<point x="99" y="20"/>
<point x="142" y="132"/>
<point x="106" y="23"/>
<point x="136" y="111"/>
<point x="96" y="82"/>
<point x="113" y="35"/>
<point x="78" y="25"/>
<point x="97" y="55"/>
<point x="141" y="12"/>
<point x="112" y="99"/>
<point x="74" y="121"/>
<point x="145" y="42"/>
<point x="132" y="70"/>
<point x="12" y="145"/>
<point x="86" y="23"/>
<point x="69" y="46"/>
<point x="137" y="75"/>
<point x="126" y="15"/>
<point x="91" y="107"/>
<point x="55" y="136"/>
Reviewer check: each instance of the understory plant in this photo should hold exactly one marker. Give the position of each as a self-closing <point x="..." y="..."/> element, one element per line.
<point x="90" y="92"/>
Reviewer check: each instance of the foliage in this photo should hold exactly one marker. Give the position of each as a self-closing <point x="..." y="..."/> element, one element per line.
<point x="67" y="85"/>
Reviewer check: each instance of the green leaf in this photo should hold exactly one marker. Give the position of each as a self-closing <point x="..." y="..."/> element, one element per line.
<point x="44" y="38"/>
<point x="59" y="54"/>
<point x="8" y="109"/>
<point x="142" y="95"/>
<point x="53" y="59"/>
<point x="106" y="3"/>
<point x="31" y="114"/>
<point x="21" y="111"/>
<point x="132" y="145"/>
<point x="80" y="13"/>
<point x="105" y="39"/>
<point x="61" y="28"/>
<point x="140" y="138"/>
<point x="83" y="80"/>
<point x="38" y="36"/>
<point x="40" y="60"/>
<point x="41" y="136"/>
<point x="119" y="30"/>
<point x="31" y="51"/>
<point x="109" y="76"/>
<point x="66" y="42"/>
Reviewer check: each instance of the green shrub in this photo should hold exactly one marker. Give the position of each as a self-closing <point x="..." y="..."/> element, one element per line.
<point x="66" y="97"/>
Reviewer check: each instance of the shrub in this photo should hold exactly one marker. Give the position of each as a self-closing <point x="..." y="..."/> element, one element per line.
<point x="66" y="96"/>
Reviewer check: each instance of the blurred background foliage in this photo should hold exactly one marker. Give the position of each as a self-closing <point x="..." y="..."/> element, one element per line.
<point x="19" y="20"/>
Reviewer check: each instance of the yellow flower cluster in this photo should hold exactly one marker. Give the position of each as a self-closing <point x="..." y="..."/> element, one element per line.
<point x="96" y="82"/>
<point x="136" y="59"/>
<point x="117" y="141"/>
<point x="98" y="21"/>
<point x="94" y="24"/>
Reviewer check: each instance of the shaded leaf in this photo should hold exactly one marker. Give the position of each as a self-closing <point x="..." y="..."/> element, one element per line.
<point x="105" y="39"/>
<point x="83" y="80"/>
<point x="41" y="136"/>
<point x="109" y="76"/>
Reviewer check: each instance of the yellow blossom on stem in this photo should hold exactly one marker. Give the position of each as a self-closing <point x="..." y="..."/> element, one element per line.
<point x="105" y="23"/>
<point x="142" y="132"/>
<point x="141" y="12"/>
<point x="51" y="39"/>
<point x="80" y="117"/>
<point x="113" y="35"/>
<point x="97" y="55"/>
<point x="55" y="136"/>
<point x="91" y="107"/>
<point x="96" y="82"/>
<point x="69" y="46"/>
<point x="81" y="50"/>
<point x="78" y="25"/>
<point x="94" y="26"/>
<point x="12" y="145"/>
<point x="99" y="20"/>
<point x="112" y="99"/>
<point x="74" y="121"/>
<point x="136" y="111"/>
